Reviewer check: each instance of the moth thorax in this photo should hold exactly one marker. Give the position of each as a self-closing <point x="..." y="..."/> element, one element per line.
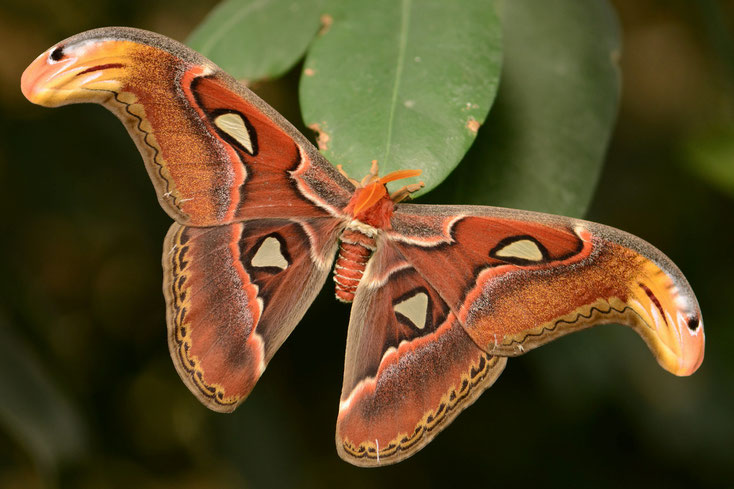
<point x="354" y="251"/>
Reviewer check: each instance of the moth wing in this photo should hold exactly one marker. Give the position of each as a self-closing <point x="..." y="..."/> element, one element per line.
<point x="215" y="152"/>
<point x="410" y="367"/>
<point x="231" y="299"/>
<point x="518" y="279"/>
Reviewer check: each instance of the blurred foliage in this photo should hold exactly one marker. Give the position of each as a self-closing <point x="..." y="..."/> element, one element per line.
<point x="80" y="294"/>
<point x="288" y="26"/>
<point x="32" y="410"/>
<point x="711" y="158"/>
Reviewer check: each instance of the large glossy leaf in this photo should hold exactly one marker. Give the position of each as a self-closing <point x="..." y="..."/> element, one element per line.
<point x="406" y="83"/>
<point x="32" y="409"/>
<point x="545" y="138"/>
<point x="255" y="39"/>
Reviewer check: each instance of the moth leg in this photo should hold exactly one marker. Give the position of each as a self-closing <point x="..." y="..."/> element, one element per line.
<point x="351" y="180"/>
<point x="404" y="192"/>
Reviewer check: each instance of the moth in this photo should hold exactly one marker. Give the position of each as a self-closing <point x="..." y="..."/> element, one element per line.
<point x="441" y="295"/>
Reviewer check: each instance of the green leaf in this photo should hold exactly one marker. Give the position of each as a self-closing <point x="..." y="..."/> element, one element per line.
<point x="33" y="410"/>
<point x="405" y="83"/>
<point x="255" y="39"/>
<point x="545" y="139"/>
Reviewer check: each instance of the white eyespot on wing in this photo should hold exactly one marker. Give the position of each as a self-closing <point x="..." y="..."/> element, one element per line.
<point x="269" y="254"/>
<point x="524" y="249"/>
<point x="235" y="126"/>
<point x="415" y="309"/>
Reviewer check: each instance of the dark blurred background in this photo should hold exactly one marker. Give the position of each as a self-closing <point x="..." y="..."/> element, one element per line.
<point x="89" y="397"/>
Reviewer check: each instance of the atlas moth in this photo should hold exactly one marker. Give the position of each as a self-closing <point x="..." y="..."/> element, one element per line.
<point x="441" y="295"/>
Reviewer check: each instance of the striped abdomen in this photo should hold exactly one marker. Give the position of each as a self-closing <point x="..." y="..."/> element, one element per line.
<point x="355" y="249"/>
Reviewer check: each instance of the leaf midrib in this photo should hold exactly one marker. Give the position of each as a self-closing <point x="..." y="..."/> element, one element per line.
<point x="402" y="45"/>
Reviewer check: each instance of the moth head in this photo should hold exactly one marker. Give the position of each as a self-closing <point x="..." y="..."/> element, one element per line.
<point x="79" y="69"/>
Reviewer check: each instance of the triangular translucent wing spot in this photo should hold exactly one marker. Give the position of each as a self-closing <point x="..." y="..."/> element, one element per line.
<point x="234" y="125"/>
<point x="270" y="254"/>
<point x="412" y="308"/>
<point x="520" y="248"/>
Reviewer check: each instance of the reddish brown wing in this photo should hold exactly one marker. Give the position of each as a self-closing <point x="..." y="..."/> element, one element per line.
<point x="519" y="279"/>
<point x="410" y="367"/>
<point x="216" y="153"/>
<point x="231" y="300"/>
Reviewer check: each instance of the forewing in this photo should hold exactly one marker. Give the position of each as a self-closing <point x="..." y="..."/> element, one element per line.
<point x="231" y="299"/>
<point x="216" y="153"/>
<point x="410" y="367"/>
<point x="517" y="279"/>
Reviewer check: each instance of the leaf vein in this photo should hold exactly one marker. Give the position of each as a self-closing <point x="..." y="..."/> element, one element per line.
<point x="402" y="46"/>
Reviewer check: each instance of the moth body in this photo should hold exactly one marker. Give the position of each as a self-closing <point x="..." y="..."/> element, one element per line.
<point x="355" y="250"/>
<point x="371" y="208"/>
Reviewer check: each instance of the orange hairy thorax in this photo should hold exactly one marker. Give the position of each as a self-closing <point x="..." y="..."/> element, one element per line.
<point x="371" y="204"/>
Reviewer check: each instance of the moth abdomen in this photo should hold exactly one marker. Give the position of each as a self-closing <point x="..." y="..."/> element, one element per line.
<point x="355" y="250"/>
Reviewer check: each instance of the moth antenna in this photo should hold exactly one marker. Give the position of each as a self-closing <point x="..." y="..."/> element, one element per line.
<point x="372" y="175"/>
<point x="374" y="168"/>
